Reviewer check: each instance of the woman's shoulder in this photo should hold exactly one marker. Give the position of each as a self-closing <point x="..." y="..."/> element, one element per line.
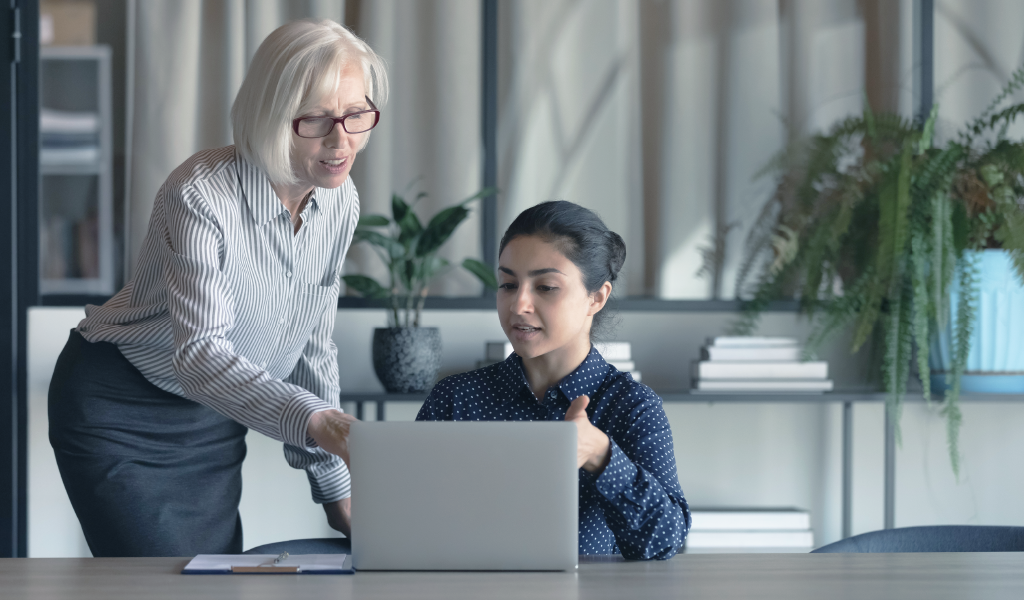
<point x="469" y="382"/>
<point x="203" y="166"/>
<point x="621" y="387"/>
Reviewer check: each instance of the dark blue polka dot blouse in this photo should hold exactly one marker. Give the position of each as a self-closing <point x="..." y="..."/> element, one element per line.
<point x="635" y="507"/>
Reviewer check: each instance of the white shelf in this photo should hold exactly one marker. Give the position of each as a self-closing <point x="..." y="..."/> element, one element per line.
<point x="76" y="192"/>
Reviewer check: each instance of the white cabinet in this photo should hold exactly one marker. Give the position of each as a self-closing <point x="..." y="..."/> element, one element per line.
<point x="76" y="196"/>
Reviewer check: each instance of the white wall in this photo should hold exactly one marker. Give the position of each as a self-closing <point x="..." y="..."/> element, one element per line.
<point x="728" y="454"/>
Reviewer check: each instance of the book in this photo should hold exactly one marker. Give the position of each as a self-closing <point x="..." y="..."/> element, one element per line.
<point x="762" y="385"/>
<point x="615" y="351"/>
<point x="746" y="341"/>
<point x="751" y="354"/>
<point x="749" y="539"/>
<point x="761" y="370"/>
<point x="497" y="351"/>
<point x="750" y="519"/>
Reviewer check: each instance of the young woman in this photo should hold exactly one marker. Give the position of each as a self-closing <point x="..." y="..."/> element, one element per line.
<point x="557" y="263"/>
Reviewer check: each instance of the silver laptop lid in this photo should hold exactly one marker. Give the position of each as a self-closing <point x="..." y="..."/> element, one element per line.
<point x="464" y="495"/>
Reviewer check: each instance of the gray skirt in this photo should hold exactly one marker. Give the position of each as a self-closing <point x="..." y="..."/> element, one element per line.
<point x="149" y="473"/>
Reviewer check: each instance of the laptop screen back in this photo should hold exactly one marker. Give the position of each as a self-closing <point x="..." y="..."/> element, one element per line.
<point x="464" y="495"/>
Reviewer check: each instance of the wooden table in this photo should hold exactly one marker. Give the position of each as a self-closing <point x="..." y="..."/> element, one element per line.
<point x="719" y="576"/>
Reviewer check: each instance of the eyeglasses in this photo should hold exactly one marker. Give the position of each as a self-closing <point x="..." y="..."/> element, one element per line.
<point x="318" y="127"/>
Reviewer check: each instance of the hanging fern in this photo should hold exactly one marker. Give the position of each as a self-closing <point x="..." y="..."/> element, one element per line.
<point x="873" y="207"/>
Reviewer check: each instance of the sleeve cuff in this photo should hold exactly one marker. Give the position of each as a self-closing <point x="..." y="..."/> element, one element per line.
<point x="295" y="419"/>
<point x="618" y="476"/>
<point x="329" y="482"/>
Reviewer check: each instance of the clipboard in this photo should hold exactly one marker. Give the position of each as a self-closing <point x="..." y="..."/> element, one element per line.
<point x="295" y="564"/>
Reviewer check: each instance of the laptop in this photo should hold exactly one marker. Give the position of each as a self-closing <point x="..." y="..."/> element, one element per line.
<point x="464" y="496"/>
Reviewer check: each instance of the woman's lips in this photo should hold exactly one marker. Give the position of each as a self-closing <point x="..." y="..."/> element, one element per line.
<point x="525" y="332"/>
<point x="334" y="166"/>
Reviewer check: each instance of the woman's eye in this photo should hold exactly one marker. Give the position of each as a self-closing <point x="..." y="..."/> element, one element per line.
<point x="507" y="286"/>
<point x="546" y="288"/>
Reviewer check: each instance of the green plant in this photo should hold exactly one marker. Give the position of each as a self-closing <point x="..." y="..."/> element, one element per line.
<point x="409" y="250"/>
<point x="868" y="227"/>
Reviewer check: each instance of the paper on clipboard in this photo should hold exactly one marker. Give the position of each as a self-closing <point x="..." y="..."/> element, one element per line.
<point x="316" y="564"/>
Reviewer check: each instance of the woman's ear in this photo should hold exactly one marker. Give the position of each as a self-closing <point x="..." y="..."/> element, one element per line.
<point x="599" y="298"/>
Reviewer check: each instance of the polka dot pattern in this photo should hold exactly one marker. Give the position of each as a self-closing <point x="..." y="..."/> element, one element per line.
<point x="635" y="507"/>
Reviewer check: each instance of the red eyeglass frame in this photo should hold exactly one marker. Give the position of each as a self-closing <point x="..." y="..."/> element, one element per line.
<point x="373" y="109"/>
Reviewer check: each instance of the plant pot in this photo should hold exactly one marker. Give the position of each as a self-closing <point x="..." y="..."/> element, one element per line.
<point x="995" y="363"/>
<point x="407" y="359"/>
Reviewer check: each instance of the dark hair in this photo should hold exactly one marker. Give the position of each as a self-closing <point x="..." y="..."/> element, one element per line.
<point x="582" y="237"/>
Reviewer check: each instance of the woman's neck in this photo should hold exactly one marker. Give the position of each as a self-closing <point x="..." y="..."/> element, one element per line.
<point x="294" y="198"/>
<point x="548" y="369"/>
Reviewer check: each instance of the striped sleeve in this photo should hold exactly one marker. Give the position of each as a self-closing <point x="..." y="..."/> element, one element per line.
<point x="202" y="308"/>
<point x="317" y="372"/>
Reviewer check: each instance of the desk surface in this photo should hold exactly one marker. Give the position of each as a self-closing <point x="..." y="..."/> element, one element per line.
<point x="719" y="576"/>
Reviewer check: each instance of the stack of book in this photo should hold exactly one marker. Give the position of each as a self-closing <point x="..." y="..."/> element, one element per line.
<point x="68" y="137"/>
<point x="617" y="354"/>
<point x="758" y="364"/>
<point x="749" y="530"/>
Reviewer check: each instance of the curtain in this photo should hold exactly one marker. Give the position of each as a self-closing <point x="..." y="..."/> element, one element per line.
<point x="428" y="139"/>
<point x="657" y="114"/>
<point x="978" y="46"/>
<point x="187" y="59"/>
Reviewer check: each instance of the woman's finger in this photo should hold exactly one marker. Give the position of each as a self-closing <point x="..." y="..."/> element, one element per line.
<point x="578" y="408"/>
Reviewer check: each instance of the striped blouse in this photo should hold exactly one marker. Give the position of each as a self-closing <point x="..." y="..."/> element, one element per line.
<point x="229" y="308"/>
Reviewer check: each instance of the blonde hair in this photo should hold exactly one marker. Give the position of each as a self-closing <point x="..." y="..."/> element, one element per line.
<point x="297" y="66"/>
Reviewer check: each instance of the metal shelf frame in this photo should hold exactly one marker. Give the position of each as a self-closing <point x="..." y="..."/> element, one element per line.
<point x="846" y="398"/>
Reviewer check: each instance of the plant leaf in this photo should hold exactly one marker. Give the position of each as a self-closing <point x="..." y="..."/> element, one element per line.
<point x="440" y="229"/>
<point x="366" y="286"/>
<point x="389" y="245"/>
<point x="484" y="273"/>
<point x="373" y="221"/>
<point x="409" y="225"/>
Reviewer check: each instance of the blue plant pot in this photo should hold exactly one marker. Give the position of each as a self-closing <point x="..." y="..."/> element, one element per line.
<point x="995" y="363"/>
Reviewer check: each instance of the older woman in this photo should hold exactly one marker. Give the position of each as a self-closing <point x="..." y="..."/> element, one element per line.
<point x="227" y="323"/>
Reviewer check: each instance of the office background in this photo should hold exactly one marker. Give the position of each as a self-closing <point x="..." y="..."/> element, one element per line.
<point x="655" y="113"/>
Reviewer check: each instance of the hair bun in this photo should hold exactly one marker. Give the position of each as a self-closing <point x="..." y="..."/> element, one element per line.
<point x="616" y="254"/>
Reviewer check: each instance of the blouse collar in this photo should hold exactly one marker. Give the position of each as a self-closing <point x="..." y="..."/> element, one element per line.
<point x="586" y="379"/>
<point x="260" y="196"/>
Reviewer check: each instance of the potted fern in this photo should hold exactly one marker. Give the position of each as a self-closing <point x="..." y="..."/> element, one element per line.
<point x="873" y="226"/>
<point x="406" y="357"/>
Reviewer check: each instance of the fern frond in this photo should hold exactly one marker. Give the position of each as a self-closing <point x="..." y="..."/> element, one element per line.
<point x="922" y="311"/>
<point x="979" y="124"/>
<point x="967" y="275"/>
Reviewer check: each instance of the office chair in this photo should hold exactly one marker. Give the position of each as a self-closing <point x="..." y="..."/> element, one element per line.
<point x="934" y="538"/>
<point x="306" y="546"/>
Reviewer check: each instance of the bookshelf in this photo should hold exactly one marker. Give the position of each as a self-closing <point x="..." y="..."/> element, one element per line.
<point x="846" y="398"/>
<point x="76" y="205"/>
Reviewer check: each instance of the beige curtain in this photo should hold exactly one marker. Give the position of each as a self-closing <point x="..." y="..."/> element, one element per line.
<point x="655" y="113"/>
<point x="186" y="61"/>
<point x="978" y="46"/>
<point x="429" y="136"/>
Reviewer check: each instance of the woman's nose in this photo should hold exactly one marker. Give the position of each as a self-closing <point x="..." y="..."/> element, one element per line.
<point x="337" y="138"/>
<point x="523" y="302"/>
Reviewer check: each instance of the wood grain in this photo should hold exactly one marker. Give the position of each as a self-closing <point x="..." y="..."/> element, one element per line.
<point x="719" y="576"/>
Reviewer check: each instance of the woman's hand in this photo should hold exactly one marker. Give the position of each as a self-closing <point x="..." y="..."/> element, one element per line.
<point x="593" y="448"/>
<point x="339" y="515"/>
<point x="329" y="429"/>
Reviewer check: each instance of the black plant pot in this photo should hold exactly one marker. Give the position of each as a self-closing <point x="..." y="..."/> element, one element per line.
<point x="407" y="359"/>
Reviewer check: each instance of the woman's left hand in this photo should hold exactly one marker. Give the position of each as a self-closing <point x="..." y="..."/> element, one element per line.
<point x="329" y="429"/>
<point x="339" y="515"/>
<point x="593" y="448"/>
